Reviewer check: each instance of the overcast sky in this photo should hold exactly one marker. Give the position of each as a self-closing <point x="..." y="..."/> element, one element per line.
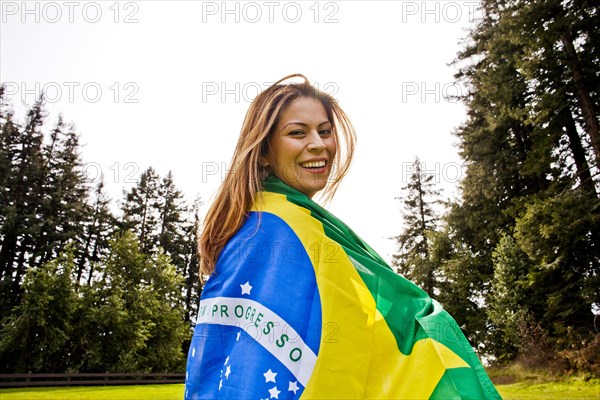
<point x="167" y="84"/>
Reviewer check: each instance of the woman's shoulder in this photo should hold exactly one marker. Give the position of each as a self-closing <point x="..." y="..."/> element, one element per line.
<point x="265" y="246"/>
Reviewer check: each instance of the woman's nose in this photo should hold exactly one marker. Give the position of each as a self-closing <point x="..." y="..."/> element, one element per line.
<point x="315" y="142"/>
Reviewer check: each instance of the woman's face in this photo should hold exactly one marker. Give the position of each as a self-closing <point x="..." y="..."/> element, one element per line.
<point x="303" y="146"/>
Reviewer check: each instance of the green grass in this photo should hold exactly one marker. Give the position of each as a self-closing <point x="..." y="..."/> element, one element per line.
<point x="141" y="392"/>
<point x="571" y="389"/>
<point x="518" y="382"/>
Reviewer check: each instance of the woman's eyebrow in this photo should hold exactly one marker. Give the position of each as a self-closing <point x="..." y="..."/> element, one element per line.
<point x="304" y="124"/>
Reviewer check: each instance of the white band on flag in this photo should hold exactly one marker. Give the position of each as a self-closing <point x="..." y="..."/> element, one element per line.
<point x="266" y="327"/>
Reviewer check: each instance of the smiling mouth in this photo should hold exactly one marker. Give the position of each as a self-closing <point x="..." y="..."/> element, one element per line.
<point x="313" y="164"/>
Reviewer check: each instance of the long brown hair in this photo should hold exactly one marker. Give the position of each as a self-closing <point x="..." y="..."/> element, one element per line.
<point x="243" y="182"/>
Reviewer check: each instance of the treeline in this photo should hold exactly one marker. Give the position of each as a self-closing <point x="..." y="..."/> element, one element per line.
<point x="83" y="289"/>
<point x="516" y="260"/>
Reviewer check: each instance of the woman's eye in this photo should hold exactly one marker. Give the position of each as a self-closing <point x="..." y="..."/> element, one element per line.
<point x="325" y="132"/>
<point x="296" y="133"/>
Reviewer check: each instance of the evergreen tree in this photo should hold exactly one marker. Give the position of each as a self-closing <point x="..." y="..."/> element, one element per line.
<point x="413" y="259"/>
<point x="8" y="135"/>
<point x="529" y="145"/>
<point x="141" y="210"/>
<point x="191" y="274"/>
<point x="172" y="227"/>
<point x="510" y="297"/>
<point x="178" y="237"/>
<point x="22" y="203"/>
<point x="462" y="290"/>
<point x="98" y="226"/>
<point x="43" y="197"/>
<point x="65" y="193"/>
<point x="558" y="233"/>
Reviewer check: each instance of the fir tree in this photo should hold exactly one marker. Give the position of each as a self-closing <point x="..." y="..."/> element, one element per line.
<point x="191" y="274"/>
<point x="172" y="228"/>
<point x="65" y="193"/>
<point x="420" y="219"/>
<point x="98" y="226"/>
<point x="23" y="202"/>
<point x="530" y="146"/>
<point x="141" y="210"/>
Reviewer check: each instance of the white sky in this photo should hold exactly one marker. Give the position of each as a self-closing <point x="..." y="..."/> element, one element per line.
<point x="176" y="78"/>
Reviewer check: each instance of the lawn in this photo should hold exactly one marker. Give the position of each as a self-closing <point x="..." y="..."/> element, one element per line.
<point x="551" y="390"/>
<point x="573" y="389"/>
<point x="141" y="392"/>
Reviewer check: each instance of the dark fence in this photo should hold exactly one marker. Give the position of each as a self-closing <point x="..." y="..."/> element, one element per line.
<point x="95" y="379"/>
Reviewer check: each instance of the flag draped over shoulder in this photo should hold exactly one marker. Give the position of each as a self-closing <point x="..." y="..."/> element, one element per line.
<point x="300" y="307"/>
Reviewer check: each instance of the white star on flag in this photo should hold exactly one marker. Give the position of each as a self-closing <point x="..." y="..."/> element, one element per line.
<point x="274" y="393"/>
<point x="246" y="288"/>
<point x="270" y="376"/>
<point x="238" y="336"/>
<point x="229" y="371"/>
<point x="226" y="360"/>
<point x="293" y="387"/>
<point x="193" y="352"/>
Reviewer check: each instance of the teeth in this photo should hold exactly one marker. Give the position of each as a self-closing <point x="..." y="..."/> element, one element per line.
<point x="313" y="164"/>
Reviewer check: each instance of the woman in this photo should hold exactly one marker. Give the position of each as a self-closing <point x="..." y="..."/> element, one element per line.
<point x="296" y="303"/>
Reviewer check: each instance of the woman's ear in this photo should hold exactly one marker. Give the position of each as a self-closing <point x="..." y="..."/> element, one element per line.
<point x="263" y="161"/>
<point x="263" y="168"/>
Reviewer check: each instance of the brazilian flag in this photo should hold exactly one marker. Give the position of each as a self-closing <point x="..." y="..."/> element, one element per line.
<point x="300" y="307"/>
